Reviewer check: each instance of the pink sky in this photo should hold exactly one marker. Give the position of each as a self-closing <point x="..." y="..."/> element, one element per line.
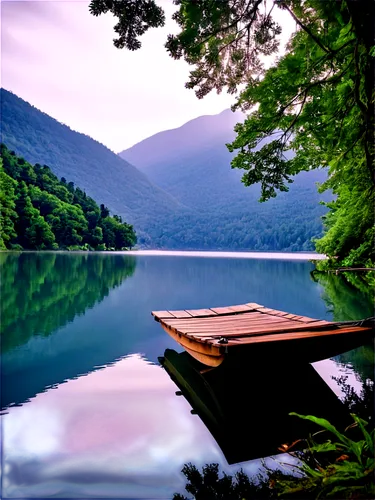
<point x="61" y="59"/>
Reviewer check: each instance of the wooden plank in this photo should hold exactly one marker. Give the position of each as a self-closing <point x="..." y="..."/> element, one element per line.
<point x="275" y="312"/>
<point x="224" y="325"/>
<point x="187" y="320"/>
<point x="162" y="314"/>
<point x="253" y="325"/>
<point x="265" y="310"/>
<point x="180" y="314"/>
<point x="294" y="335"/>
<point x="306" y="319"/>
<point x="261" y="330"/>
<point x="222" y="310"/>
<point x="253" y="305"/>
<point x="220" y="321"/>
<point x="279" y="313"/>
<point x="196" y="313"/>
<point x="241" y="308"/>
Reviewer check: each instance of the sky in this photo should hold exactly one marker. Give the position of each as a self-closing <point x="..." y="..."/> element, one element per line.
<point x="61" y="59"/>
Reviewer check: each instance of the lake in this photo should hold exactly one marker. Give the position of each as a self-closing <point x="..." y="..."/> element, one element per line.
<point x="88" y="411"/>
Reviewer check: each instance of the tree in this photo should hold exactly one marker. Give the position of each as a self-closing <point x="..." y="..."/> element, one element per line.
<point x="37" y="211"/>
<point x="40" y="235"/>
<point x="317" y="99"/>
<point x="104" y="211"/>
<point x="26" y="213"/>
<point x="7" y="207"/>
<point x="116" y="234"/>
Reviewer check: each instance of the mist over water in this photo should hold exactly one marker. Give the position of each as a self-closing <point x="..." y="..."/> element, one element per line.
<point x="232" y="255"/>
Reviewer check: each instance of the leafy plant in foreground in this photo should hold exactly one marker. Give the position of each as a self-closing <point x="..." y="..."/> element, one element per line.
<point x="341" y="468"/>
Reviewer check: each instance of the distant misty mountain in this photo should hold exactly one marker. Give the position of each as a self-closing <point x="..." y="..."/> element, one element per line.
<point x="200" y="134"/>
<point x="104" y="176"/>
<point x="192" y="164"/>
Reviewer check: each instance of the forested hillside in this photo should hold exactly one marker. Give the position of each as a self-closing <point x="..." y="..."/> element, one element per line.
<point x="228" y="214"/>
<point x="104" y="176"/>
<point x="39" y="212"/>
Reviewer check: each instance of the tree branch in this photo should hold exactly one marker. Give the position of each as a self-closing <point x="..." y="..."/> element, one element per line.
<point x="308" y="31"/>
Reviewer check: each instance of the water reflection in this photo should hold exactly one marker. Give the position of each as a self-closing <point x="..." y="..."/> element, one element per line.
<point x="350" y="298"/>
<point x="41" y="292"/>
<point x="44" y="298"/>
<point x="346" y="301"/>
<point x="115" y="427"/>
<point x="246" y="407"/>
<point x="117" y="432"/>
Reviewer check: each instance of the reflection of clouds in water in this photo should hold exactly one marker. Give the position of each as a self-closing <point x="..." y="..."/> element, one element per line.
<point x="117" y="432"/>
<point x="184" y="420"/>
<point x="160" y="454"/>
<point x="185" y="434"/>
<point x="185" y="441"/>
<point x="32" y="430"/>
<point x="126" y="412"/>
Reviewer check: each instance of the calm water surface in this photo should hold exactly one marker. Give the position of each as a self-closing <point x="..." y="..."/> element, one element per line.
<point x="88" y="412"/>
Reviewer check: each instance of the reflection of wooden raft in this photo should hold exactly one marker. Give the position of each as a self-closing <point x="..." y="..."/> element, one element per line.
<point x="210" y="335"/>
<point x="246" y="406"/>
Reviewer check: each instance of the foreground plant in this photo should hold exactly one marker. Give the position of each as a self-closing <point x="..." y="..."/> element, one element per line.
<point x="340" y="468"/>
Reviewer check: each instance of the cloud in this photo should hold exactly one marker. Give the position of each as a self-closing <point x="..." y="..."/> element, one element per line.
<point x="45" y="438"/>
<point x="61" y="59"/>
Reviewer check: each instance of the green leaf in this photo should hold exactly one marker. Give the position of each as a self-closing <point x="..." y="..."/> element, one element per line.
<point x="324" y="447"/>
<point x="369" y="439"/>
<point x="326" y="425"/>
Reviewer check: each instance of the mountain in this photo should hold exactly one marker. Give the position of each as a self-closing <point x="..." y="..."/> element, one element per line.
<point x="103" y="175"/>
<point x="195" y="136"/>
<point x="192" y="164"/>
<point x="183" y="193"/>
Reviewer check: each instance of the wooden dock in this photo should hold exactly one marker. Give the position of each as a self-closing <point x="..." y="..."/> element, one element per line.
<point x="211" y="335"/>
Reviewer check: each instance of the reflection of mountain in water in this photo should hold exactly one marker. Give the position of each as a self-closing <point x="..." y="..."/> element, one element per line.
<point x="41" y="293"/>
<point x="346" y="302"/>
<point x="246" y="406"/>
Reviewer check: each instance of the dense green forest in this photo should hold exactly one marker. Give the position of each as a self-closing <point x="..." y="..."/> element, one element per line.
<point x="316" y="98"/>
<point x="41" y="212"/>
<point x="56" y="288"/>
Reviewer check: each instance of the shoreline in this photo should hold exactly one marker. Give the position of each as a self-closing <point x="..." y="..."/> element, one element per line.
<point x="303" y="256"/>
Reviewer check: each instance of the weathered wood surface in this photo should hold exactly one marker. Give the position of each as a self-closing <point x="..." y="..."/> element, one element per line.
<point x="211" y="332"/>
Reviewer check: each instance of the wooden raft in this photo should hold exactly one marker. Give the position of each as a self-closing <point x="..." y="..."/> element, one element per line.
<point x="209" y="335"/>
